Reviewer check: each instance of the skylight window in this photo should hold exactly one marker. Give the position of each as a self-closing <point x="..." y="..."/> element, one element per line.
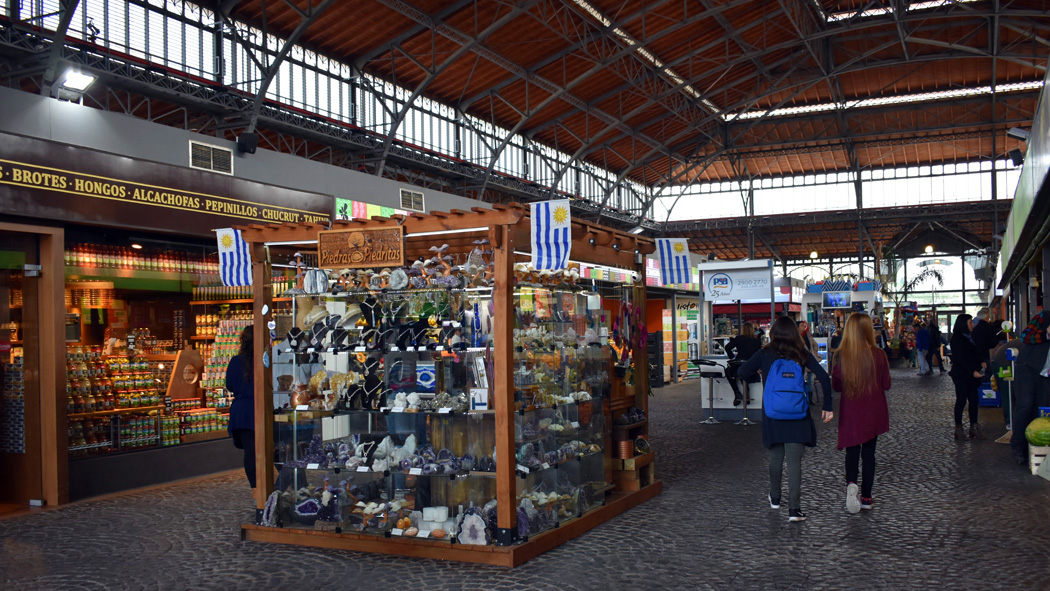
<point x="912" y="6"/>
<point x="889" y="100"/>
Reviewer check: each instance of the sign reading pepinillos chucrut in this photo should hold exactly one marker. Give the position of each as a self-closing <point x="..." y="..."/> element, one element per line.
<point x="44" y="179"/>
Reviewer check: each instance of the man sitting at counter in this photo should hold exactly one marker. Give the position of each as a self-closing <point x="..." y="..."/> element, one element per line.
<point x="740" y="348"/>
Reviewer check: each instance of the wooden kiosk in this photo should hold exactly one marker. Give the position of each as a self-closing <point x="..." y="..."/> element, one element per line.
<point x="628" y="476"/>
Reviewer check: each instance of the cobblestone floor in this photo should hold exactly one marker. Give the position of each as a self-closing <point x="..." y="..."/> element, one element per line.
<point x="948" y="516"/>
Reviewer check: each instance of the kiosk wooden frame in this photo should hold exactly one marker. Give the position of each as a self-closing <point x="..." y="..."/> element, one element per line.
<point x="507" y="227"/>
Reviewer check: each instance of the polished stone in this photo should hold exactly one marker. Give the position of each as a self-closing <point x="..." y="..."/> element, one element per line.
<point x="948" y="515"/>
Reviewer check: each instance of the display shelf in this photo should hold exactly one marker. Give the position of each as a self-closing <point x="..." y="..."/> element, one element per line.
<point x="202" y="338"/>
<point x="208" y="436"/>
<point x="115" y="411"/>
<point x="629" y="427"/>
<point x="134" y="440"/>
<point x="238" y="301"/>
<point x="160" y="356"/>
<point x="91" y="446"/>
<point x="635" y="462"/>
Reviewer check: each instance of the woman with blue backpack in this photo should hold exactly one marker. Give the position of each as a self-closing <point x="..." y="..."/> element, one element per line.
<point x="862" y="374"/>
<point x="787" y="427"/>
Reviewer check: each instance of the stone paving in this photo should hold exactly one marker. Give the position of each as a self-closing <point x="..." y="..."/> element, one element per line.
<point x="948" y="515"/>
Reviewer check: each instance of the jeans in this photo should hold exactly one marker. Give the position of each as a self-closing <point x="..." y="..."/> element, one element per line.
<point x="246" y="438"/>
<point x="924" y="364"/>
<point x="853" y="459"/>
<point x="793" y="452"/>
<point x="966" y="388"/>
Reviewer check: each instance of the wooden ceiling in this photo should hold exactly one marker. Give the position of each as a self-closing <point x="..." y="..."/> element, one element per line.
<point x="651" y="89"/>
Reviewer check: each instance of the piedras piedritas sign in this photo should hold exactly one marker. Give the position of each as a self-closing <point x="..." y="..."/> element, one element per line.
<point x="361" y="248"/>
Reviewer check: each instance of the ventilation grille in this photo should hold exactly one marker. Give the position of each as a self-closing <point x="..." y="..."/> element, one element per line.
<point x="412" y="200"/>
<point x="213" y="158"/>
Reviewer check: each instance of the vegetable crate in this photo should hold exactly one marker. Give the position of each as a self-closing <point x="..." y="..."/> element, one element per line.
<point x="1036" y="456"/>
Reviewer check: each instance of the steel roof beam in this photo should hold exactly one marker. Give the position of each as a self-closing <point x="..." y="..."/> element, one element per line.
<point x="65" y="16"/>
<point x="307" y="19"/>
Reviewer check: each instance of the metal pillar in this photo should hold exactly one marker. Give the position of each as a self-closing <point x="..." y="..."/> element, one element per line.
<point x="674" y="338"/>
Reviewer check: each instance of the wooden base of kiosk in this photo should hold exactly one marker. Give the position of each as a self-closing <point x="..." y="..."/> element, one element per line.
<point x="506" y="556"/>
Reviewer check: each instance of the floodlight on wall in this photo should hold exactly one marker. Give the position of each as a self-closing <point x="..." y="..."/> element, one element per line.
<point x="814" y="255"/>
<point x="1016" y="157"/>
<point x="1018" y="134"/>
<point x="76" y="81"/>
<point x="929" y="249"/>
<point x="637" y="230"/>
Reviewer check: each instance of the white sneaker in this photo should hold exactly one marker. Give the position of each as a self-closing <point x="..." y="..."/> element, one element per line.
<point x="774" y="503"/>
<point x="852" y="498"/>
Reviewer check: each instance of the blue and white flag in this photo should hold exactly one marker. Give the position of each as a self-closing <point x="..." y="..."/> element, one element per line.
<point x="674" y="260"/>
<point x="235" y="262"/>
<point x="551" y="234"/>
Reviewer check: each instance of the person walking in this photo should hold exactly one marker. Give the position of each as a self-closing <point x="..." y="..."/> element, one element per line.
<point x="240" y="379"/>
<point x="740" y="348"/>
<point x="862" y="374"/>
<point x="967" y="373"/>
<point x="935" y="346"/>
<point x="922" y="345"/>
<point x="1031" y="385"/>
<point x="787" y="438"/>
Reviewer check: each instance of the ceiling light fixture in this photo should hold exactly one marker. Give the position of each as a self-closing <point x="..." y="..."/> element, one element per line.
<point x="637" y="230"/>
<point x="929" y="249"/>
<point x="813" y="255"/>
<point x="136" y="246"/>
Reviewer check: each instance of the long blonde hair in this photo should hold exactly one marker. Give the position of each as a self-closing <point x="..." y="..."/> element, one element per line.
<point x="855" y="354"/>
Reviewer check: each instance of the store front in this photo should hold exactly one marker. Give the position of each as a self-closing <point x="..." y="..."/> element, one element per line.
<point x="114" y="325"/>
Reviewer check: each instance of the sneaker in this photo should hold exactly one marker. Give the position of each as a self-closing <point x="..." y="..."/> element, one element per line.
<point x="796" y="515"/>
<point x="852" y="498"/>
<point x="866" y="503"/>
<point x="773" y="503"/>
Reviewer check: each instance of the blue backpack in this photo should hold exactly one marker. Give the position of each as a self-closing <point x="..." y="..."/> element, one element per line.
<point x="784" y="395"/>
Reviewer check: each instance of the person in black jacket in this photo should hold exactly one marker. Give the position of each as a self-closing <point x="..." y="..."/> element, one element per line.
<point x="788" y="438"/>
<point x="983" y="335"/>
<point x="935" y="345"/>
<point x="967" y="373"/>
<point x="1031" y="389"/>
<point x="740" y="348"/>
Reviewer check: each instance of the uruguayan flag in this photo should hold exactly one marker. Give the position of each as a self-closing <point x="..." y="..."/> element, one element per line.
<point x="674" y="260"/>
<point x="551" y="234"/>
<point x="235" y="263"/>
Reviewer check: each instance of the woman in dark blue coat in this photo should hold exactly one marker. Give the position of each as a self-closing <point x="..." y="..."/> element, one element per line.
<point x="240" y="379"/>
<point x="1031" y="388"/>
<point x="788" y="438"/>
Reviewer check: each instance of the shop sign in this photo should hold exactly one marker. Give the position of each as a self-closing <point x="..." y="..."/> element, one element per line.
<point x="361" y="248"/>
<point x="738" y="285"/>
<point x="85" y="185"/>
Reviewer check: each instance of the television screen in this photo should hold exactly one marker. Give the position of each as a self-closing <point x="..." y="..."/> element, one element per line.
<point x="837" y="299"/>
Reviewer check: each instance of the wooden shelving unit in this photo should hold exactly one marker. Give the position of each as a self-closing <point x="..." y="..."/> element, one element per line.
<point x="115" y="411"/>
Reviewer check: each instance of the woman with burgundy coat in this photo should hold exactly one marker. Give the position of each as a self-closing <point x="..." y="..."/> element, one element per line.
<point x="862" y="374"/>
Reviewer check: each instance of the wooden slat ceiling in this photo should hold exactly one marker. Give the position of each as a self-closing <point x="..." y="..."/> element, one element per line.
<point x="733" y="56"/>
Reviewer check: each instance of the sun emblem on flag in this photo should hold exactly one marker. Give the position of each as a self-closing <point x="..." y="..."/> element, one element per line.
<point x="678" y="248"/>
<point x="560" y="214"/>
<point x="227" y="241"/>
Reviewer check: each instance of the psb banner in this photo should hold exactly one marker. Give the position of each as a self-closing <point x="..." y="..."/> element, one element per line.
<point x="732" y="285"/>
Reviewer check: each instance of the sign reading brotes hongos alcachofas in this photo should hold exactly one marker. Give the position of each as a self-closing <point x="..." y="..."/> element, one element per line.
<point x="361" y="248"/>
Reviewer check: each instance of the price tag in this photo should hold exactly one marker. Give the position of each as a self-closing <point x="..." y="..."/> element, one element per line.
<point x="363" y="469"/>
<point x="575" y="424"/>
<point x="394" y="349"/>
<point x="359" y="349"/>
<point x="439" y="348"/>
<point x="384" y="409"/>
<point x="331" y="349"/>
<point x="397" y="532"/>
<point x="446" y="323"/>
<point x="313" y="466"/>
<point x="303" y="407"/>
<point x="523" y="469"/>
<point x="546" y="465"/>
<point x="398" y="409"/>
<point x="311" y="350"/>
<point x="456" y="324"/>
<point x="410" y="349"/>
<point x="423" y="533"/>
<point x="444" y="411"/>
<point x="415" y="471"/>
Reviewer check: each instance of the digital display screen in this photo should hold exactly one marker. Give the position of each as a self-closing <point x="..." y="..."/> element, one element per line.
<point x="837" y="299"/>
